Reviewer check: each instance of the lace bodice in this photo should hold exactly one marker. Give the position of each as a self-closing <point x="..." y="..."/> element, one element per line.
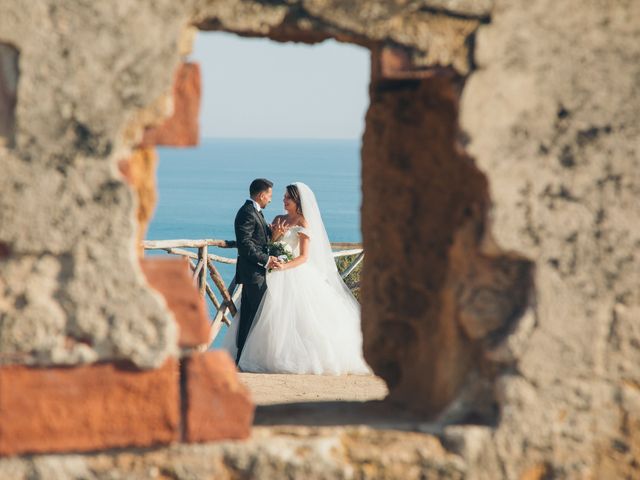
<point x="292" y="238"/>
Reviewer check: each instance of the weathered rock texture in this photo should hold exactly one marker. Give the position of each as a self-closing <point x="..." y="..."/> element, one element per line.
<point x="431" y="37"/>
<point x="450" y="297"/>
<point x="501" y="283"/>
<point x="71" y="289"/>
<point x="555" y="125"/>
<point x="287" y="453"/>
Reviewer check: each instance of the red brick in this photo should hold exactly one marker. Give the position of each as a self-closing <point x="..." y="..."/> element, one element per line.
<point x="395" y="63"/>
<point x="217" y="405"/>
<point x="182" y="128"/>
<point x="172" y="278"/>
<point x="87" y="408"/>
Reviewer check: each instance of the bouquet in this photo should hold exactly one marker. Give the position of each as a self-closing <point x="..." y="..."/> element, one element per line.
<point x="281" y="250"/>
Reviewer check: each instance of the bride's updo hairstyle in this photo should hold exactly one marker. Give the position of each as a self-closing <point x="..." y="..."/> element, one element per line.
<point x="293" y="192"/>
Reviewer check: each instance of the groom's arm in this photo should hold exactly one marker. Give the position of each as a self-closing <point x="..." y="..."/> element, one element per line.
<point x="245" y="225"/>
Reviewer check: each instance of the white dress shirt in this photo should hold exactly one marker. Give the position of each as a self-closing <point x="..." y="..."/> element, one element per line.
<point x="255" y="204"/>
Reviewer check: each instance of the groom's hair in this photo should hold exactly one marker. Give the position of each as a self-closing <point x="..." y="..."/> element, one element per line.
<point x="259" y="185"/>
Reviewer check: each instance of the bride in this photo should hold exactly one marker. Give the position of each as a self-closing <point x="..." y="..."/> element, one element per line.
<point x="308" y="320"/>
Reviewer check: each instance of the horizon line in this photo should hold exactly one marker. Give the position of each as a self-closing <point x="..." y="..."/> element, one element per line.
<point x="279" y="138"/>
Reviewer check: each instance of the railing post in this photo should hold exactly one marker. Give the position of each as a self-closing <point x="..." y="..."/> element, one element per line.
<point x="219" y="282"/>
<point x="202" y="278"/>
<point x="210" y="294"/>
<point x="220" y="318"/>
<point x="352" y="266"/>
<point x="201" y="261"/>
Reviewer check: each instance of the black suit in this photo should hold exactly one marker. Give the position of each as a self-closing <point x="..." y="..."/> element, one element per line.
<point x="252" y="236"/>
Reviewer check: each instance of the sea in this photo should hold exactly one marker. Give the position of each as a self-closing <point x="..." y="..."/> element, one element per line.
<point x="200" y="189"/>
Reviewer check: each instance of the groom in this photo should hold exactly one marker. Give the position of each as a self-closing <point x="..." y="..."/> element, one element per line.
<point x="252" y="237"/>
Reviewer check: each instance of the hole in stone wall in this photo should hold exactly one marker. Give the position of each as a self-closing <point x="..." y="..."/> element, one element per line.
<point x="286" y="112"/>
<point x="8" y="92"/>
<point x="439" y="298"/>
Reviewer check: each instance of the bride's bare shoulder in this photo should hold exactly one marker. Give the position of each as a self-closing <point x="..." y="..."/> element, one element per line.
<point x="303" y="222"/>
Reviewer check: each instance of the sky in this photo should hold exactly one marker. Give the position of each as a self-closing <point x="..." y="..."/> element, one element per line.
<point x="258" y="88"/>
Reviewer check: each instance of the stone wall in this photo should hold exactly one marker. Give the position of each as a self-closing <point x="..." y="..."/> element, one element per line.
<point x="552" y="113"/>
<point x="500" y="208"/>
<point x="71" y="288"/>
<point x="324" y="453"/>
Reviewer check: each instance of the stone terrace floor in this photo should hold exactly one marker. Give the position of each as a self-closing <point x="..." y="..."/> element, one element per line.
<point x="269" y="389"/>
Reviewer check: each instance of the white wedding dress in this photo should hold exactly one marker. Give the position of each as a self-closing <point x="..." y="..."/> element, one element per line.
<point x="308" y="320"/>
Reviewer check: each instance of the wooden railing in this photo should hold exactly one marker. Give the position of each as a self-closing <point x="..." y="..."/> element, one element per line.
<point x="201" y="262"/>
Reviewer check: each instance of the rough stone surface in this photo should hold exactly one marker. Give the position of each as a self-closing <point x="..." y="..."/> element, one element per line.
<point x="285" y="452"/>
<point x="140" y="171"/>
<point x="277" y="388"/>
<point x="432" y="37"/>
<point x="171" y="277"/>
<point x="555" y="125"/>
<point x="87" y="408"/>
<point x="516" y="267"/>
<point x="450" y="298"/>
<point x="71" y="290"/>
<point x="182" y="128"/>
<point x="217" y="405"/>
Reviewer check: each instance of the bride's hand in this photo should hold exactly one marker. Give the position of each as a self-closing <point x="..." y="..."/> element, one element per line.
<point x="279" y="227"/>
<point x="273" y="264"/>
